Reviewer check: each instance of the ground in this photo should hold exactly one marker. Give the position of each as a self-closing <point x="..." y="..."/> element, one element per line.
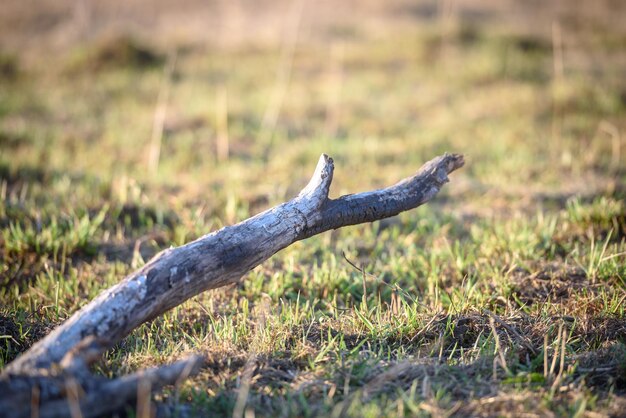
<point x="502" y="297"/>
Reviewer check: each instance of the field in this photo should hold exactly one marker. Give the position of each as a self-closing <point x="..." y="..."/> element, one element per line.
<point x="505" y="296"/>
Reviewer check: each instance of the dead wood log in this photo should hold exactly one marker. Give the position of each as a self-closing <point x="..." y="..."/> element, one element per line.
<point x="177" y="274"/>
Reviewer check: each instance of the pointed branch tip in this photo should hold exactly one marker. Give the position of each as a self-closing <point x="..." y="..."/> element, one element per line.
<point x="319" y="185"/>
<point x="455" y="161"/>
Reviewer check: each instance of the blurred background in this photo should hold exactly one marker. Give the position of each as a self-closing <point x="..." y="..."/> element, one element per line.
<point x="233" y="95"/>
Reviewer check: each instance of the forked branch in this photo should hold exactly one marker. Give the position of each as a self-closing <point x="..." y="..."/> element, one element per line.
<point x="212" y="261"/>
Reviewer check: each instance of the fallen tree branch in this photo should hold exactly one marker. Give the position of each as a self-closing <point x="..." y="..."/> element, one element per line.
<point x="91" y="396"/>
<point x="212" y="261"/>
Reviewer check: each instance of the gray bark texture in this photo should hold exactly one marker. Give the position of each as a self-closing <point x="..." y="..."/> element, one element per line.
<point x="42" y="378"/>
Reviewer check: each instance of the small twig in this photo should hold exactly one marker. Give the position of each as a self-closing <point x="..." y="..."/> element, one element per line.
<point x="498" y="347"/>
<point x="512" y="330"/>
<point x="378" y="280"/>
<point x="425" y="327"/>
<point x="556" y="353"/>
<point x="393" y="287"/>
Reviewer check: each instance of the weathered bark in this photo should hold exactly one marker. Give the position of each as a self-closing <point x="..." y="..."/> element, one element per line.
<point x="48" y="396"/>
<point x="215" y="260"/>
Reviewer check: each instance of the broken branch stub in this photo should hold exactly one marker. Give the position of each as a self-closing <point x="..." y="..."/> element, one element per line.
<point x="218" y="259"/>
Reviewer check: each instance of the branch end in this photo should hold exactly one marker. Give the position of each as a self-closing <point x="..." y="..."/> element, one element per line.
<point x="453" y="162"/>
<point x="441" y="166"/>
<point x="319" y="185"/>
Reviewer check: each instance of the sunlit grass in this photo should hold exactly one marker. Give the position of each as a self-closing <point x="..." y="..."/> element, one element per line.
<point x="451" y="308"/>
